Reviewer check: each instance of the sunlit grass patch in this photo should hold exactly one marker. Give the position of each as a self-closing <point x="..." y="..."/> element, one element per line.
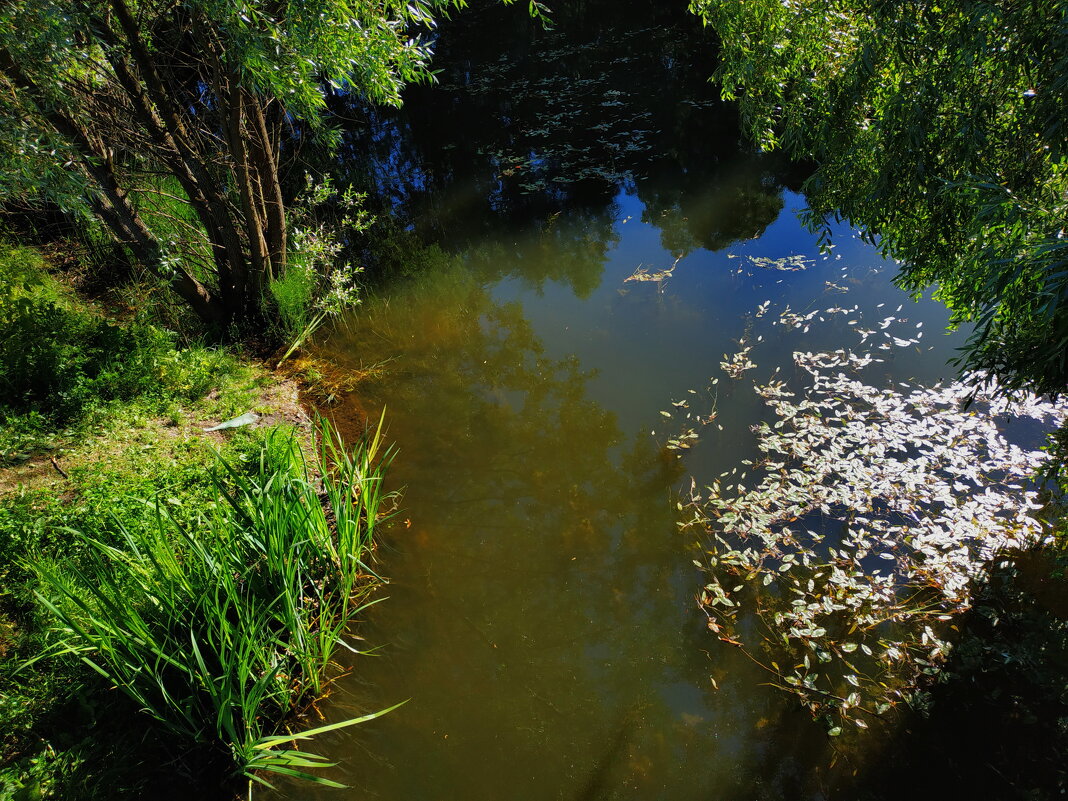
<point x="65" y="369"/>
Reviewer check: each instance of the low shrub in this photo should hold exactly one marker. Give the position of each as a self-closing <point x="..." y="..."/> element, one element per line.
<point x="59" y="360"/>
<point x="57" y="356"/>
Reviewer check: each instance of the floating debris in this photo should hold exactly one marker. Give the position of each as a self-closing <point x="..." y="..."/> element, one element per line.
<point x="872" y="514"/>
<point x="791" y="319"/>
<point x="737" y="364"/>
<point x="859" y="534"/>
<point x="247" y="419"/>
<point x="641" y="274"/>
<point x="787" y="264"/>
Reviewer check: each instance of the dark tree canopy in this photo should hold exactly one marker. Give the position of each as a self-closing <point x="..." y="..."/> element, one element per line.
<point x="114" y="107"/>
<point x="940" y="127"/>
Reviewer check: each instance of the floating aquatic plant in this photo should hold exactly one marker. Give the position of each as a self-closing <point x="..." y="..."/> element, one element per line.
<point x="737" y="364"/>
<point x="642" y="274"/>
<point x="787" y="264"/>
<point x="863" y="528"/>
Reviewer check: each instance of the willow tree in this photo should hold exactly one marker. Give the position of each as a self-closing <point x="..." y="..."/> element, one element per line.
<point x="942" y="127"/>
<point x="102" y="101"/>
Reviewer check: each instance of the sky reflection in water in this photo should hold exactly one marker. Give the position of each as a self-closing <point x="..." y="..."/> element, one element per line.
<point x="541" y="614"/>
<point x="541" y="611"/>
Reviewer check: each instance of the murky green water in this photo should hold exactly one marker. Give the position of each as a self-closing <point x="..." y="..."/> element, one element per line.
<point x="541" y="612"/>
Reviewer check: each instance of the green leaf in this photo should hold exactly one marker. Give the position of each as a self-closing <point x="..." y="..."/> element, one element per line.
<point x="270" y="742"/>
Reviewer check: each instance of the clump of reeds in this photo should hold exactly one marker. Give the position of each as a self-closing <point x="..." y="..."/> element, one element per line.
<point x="223" y="630"/>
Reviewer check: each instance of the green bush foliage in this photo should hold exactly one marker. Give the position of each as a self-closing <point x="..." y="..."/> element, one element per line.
<point x="58" y="358"/>
<point x="941" y="128"/>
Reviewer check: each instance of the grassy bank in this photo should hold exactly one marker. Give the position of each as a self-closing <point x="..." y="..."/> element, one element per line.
<point x="169" y="598"/>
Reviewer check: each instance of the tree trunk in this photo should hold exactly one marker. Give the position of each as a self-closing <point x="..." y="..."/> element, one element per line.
<point x="112" y="205"/>
<point x="254" y="280"/>
<point x="265" y="158"/>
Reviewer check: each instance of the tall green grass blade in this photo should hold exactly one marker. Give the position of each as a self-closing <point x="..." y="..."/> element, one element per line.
<point x="269" y="742"/>
<point x="222" y="628"/>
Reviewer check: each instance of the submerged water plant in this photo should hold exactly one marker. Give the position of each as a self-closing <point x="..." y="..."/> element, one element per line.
<point x="223" y="630"/>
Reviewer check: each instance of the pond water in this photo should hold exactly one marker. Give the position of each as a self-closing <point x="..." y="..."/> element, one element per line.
<point x="541" y="616"/>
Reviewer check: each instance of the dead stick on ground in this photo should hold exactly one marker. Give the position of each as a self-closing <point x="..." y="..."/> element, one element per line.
<point x="59" y="469"/>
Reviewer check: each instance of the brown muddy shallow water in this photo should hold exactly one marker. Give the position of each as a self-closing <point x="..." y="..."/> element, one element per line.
<point x="540" y="615"/>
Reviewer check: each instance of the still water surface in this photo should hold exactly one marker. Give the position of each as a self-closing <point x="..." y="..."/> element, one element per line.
<point x="541" y="612"/>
